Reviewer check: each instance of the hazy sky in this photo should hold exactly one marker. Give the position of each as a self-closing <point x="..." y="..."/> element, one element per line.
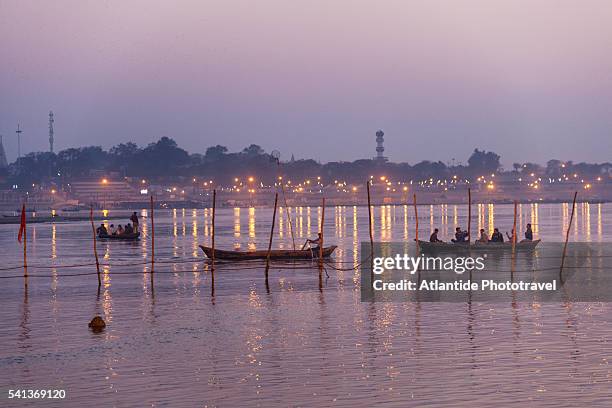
<point x="530" y="80"/>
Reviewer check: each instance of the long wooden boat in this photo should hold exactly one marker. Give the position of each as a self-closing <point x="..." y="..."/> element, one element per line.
<point x="274" y="254"/>
<point x="484" y="246"/>
<point x="123" y="237"/>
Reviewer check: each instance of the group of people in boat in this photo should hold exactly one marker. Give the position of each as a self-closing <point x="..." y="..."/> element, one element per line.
<point x="497" y="236"/>
<point x="129" y="229"/>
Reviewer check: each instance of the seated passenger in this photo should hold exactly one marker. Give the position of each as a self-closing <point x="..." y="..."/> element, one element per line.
<point x="497" y="236"/>
<point x="460" y="236"/>
<point x="128" y="229"/>
<point x="112" y="230"/>
<point x="528" y="233"/>
<point x="119" y="230"/>
<point x="434" y="237"/>
<point x="101" y="230"/>
<point x="483" y="236"/>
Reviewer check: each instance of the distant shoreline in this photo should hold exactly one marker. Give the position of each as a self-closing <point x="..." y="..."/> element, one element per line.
<point x="124" y="212"/>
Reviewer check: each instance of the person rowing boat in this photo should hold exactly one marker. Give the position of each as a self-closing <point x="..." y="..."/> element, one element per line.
<point x="316" y="242"/>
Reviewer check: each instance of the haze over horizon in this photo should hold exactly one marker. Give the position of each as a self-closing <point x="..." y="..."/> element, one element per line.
<point x="529" y="80"/>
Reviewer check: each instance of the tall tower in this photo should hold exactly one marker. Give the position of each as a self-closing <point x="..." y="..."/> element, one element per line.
<point x="3" y="161"/>
<point x="379" y="146"/>
<point x="19" y="132"/>
<point x="51" y="120"/>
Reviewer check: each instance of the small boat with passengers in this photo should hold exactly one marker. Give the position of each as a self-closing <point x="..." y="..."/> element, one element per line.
<point x="525" y="245"/>
<point x="286" y="254"/>
<point x="135" y="236"/>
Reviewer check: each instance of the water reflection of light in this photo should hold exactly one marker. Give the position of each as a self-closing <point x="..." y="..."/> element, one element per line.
<point x="308" y="223"/>
<point x="491" y="225"/>
<point x="599" y="223"/>
<point x="107" y="301"/>
<point x="431" y="218"/>
<point x="194" y="234"/>
<point x="174" y="223"/>
<point x="300" y="222"/>
<point x="481" y="216"/>
<point x="565" y="217"/>
<point x="587" y="220"/>
<point x="205" y="223"/>
<point x="237" y="222"/>
<point x="520" y="215"/>
<point x="281" y="219"/>
<point x="405" y="222"/>
<point x="53" y="241"/>
<point x="252" y="245"/>
<point x="535" y="218"/>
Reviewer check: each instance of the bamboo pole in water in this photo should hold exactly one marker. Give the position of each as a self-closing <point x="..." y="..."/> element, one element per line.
<point x="214" y="207"/>
<point x="370" y="220"/>
<point x="288" y="214"/>
<point x="25" y="243"/>
<point x="322" y="228"/>
<point x="416" y="218"/>
<point x="569" y="227"/>
<point x="271" y="235"/>
<point x="514" y="234"/>
<point x="152" y="235"/>
<point x="469" y="230"/>
<point x="95" y="246"/>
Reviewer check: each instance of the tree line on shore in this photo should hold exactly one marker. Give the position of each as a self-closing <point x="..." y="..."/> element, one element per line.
<point x="164" y="160"/>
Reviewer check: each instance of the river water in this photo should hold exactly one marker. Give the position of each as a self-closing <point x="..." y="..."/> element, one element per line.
<point x="307" y="341"/>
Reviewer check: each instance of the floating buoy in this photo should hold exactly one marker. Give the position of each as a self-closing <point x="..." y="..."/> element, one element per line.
<point x="97" y="323"/>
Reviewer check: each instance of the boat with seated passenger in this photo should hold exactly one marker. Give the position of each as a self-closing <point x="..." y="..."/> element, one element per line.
<point x="135" y="236"/>
<point x="524" y="245"/>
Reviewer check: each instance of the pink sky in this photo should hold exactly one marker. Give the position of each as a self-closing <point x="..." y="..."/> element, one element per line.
<point x="530" y="80"/>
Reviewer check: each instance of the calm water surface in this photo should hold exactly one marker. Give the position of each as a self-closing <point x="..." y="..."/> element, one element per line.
<point x="306" y="342"/>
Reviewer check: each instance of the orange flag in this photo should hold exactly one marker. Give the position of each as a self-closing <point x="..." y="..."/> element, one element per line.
<point x="22" y="227"/>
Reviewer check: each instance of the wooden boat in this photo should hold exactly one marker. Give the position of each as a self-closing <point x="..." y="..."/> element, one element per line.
<point x="123" y="237"/>
<point x="480" y="246"/>
<point x="274" y="254"/>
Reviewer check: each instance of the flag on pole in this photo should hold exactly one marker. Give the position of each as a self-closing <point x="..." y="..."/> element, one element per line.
<point x="22" y="227"/>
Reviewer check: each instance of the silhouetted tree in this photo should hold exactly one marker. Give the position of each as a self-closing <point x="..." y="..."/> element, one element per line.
<point x="483" y="161"/>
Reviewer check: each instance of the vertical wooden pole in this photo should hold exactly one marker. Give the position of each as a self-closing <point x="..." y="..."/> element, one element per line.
<point x="25" y="244"/>
<point x="469" y="231"/>
<point x="322" y="229"/>
<point x="416" y="218"/>
<point x="271" y="235"/>
<point x="514" y="232"/>
<point x="370" y="220"/>
<point x="569" y="227"/>
<point x="214" y="207"/>
<point x="152" y="235"/>
<point x="95" y="247"/>
<point x="288" y="214"/>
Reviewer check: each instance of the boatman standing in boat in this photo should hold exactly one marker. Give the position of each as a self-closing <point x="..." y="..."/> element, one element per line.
<point x="134" y="219"/>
